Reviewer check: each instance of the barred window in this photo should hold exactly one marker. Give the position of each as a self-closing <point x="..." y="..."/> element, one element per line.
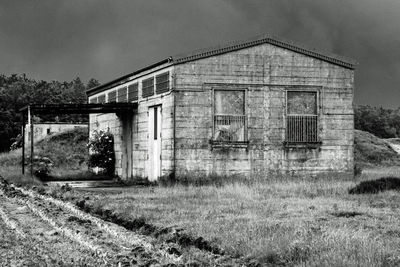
<point x="162" y="83"/>
<point x="302" y="117"/>
<point x="122" y="95"/>
<point x="112" y="96"/>
<point x="229" y="116"/>
<point x="93" y="100"/>
<point x="133" y="92"/>
<point x="101" y="99"/>
<point x="148" y="87"/>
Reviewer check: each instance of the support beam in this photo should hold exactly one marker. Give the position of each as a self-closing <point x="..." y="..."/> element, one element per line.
<point x="31" y="115"/>
<point x="23" y="144"/>
<point x="116" y="108"/>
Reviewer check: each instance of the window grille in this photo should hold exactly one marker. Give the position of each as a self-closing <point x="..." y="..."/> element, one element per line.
<point x="301" y="117"/>
<point x="101" y="99"/>
<point x="133" y="92"/>
<point x="229" y="116"/>
<point x="162" y="83"/>
<point x="93" y="100"/>
<point x="148" y="87"/>
<point x="122" y="95"/>
<point x="112" y="96"/>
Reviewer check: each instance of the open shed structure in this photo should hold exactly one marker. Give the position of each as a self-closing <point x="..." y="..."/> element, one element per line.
<point x="254" y="108"/>
<point x="119" y="109"/>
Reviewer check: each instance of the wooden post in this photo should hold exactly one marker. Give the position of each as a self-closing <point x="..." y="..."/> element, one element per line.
<point x="23" y="143"/>
<point x="31" y="120"/>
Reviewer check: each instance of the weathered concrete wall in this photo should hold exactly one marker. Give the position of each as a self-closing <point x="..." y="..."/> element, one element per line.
<point x="266" y="72"/>
<point x="140" y="129"/>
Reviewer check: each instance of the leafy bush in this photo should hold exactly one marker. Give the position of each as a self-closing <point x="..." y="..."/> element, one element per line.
<point x="42" y="166"/>
<point x="101" y="145"/>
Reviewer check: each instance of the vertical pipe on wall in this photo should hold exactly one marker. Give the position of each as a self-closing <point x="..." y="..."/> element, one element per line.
<point x="174" y="121"/>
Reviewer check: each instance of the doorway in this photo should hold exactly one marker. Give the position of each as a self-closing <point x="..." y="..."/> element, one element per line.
<point x="127" y="145"/>
<point x="154" y="160"/>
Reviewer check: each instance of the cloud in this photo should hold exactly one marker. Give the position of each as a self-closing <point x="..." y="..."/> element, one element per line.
<point x="104" y="39"/>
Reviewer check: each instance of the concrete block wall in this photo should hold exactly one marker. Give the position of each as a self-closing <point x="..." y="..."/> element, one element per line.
<point x="140" y="128"/>
<point x="266" y="72"/>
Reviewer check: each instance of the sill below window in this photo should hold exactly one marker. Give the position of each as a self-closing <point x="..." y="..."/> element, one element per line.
<point x="316" y="144"/>
<point x="229" y="144"/>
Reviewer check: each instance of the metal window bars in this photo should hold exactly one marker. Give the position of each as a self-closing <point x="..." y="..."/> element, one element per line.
<point x="302" y="129"/>
<point x="229" y="128"/>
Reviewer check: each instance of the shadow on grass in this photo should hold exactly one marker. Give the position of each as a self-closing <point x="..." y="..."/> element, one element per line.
<point x="376" y="186"/>
<point x="76" y="176"/>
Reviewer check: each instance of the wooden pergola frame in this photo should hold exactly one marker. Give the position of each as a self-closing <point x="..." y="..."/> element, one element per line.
<point x="54" y="109"/>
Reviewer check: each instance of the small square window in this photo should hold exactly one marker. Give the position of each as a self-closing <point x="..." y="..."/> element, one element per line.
<point x="133" y="92"/>
<point x="148" y="87"/>
<point x="122" y="95"/>
<point x="162" y="83"/>
<point x="112" y="96"/>
<point x="101" y="99"/>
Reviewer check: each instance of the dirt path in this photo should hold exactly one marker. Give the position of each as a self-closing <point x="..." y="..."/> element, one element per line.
<point x="39" y="231"/>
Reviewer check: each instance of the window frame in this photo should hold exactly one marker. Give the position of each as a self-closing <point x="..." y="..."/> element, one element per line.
<point x="307" y="89"/>
<point x="112" y="96"/>
<point x="93" y="100"/>
<point x="101" y="99"/>
<point x="122" y="98"/>
<point x="244" y="143"/>
<point x="162" y="82"/>
<point x="149" y="94"/>
<point x="133" y="92"/>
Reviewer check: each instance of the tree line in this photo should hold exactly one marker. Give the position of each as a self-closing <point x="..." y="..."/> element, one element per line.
<point x="17" y="91"/>
<point x="382" y="122"/>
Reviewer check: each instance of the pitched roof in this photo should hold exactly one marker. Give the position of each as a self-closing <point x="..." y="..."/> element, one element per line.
<point x="234" y="46"/>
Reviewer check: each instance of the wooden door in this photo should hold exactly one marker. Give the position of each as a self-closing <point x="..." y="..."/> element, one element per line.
<point x="127" y="145"/>
<point x="154" y="159"/>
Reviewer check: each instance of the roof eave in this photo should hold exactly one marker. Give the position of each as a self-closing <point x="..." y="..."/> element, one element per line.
<point x="123" y="79"/>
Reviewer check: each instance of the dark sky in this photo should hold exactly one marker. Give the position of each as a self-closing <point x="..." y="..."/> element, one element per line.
<point x="60" y="40"/>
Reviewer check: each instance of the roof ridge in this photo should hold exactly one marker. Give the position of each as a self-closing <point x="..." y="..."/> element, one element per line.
<point x="233" y="46"/>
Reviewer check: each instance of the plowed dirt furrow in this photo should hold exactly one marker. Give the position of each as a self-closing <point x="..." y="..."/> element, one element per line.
<point x="43" y="231"/>
<point x="106" y="231"/>
<point x="50" y="223"/>
<point x="28" y="240"/>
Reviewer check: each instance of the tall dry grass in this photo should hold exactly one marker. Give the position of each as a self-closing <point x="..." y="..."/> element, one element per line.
<point x="304" y="222"/>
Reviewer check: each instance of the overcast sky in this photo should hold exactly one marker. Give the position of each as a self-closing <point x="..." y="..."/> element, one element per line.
<point x="60" y="40"/>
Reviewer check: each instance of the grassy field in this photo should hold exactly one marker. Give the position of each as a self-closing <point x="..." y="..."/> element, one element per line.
<point x="303" y="222"/>
<point x="278" y="221"/>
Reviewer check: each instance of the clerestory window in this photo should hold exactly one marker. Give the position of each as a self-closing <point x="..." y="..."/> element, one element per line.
<point x="302" y="117"/>
<point x="229" y="116"/>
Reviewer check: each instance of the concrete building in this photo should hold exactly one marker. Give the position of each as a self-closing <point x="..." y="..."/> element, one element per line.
<point x="256" y="107"/>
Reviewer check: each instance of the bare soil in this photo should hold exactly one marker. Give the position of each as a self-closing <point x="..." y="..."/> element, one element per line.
<point x="36" y="229"/>
<point x="38" y="232"/>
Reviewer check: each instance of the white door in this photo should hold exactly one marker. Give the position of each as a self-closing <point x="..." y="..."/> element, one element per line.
<point x="154" y="160"/>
